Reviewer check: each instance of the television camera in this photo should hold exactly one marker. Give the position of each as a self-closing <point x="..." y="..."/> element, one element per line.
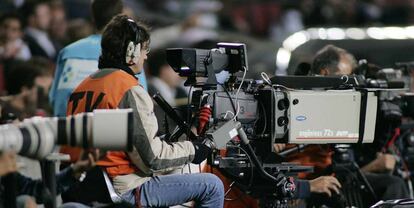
<point x="396" y="104"/>
<point x="245" y="118"/>
<point x="399" y="78"/>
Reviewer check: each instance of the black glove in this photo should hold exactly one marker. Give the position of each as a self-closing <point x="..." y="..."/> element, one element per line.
<point x="202" y="151"/>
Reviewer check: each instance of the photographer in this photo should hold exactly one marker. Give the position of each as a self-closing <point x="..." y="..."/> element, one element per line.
<point x="136" y="175"/>
<point x="28" y="187"/>
<point x="336" y="61"/>
<point x="24" y="85"/>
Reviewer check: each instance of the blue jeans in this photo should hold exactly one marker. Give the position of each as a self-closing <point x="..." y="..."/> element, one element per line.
<point x="205" y="189"/>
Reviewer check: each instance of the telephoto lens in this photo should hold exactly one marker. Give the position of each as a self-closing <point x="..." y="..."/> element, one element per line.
<point x="38" y="136"/>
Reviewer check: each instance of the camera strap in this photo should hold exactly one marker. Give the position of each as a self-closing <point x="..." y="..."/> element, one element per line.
<point x="362" y="114"/>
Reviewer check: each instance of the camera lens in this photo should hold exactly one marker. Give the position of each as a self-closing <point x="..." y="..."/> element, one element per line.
<point x="283" y="104"/>
<point x="282" y="121"/>
<point x="10" y="138"/>
<point x="37" y="137"/>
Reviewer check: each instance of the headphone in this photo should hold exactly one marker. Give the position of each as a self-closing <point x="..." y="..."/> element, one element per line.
<point x="133" y="50"/>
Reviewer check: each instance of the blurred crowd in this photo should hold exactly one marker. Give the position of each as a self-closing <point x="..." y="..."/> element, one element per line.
<point x="33" y="32"/>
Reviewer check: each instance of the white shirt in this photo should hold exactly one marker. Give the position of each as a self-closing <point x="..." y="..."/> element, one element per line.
<point x="43" y="40"/>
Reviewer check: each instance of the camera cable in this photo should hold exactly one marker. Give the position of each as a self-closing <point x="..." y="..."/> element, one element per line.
<point x="265" y="78"/>
<point x="237" y="93"/>
<point x="231" y="101"/>
<point x="189" y="112"/>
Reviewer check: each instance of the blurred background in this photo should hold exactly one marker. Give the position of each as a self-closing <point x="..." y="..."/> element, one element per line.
<point x="262" y="24"/>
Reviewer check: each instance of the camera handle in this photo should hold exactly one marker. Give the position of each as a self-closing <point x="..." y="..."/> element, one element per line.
<point x="286" y="184"/>
<point x="49" y="176"/>
<point x="183" y="127"/>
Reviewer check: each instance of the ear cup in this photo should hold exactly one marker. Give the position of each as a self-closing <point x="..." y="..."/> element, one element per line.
<point x="132" y="53"/>
<point x="137" y="53"/>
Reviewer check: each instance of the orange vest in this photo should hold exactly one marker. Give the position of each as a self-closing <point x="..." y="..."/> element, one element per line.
<point x="103" y="92"/>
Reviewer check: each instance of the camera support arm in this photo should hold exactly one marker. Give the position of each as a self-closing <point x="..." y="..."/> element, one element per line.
<point x="286" y="186"/>
<point x="184" y="128"/>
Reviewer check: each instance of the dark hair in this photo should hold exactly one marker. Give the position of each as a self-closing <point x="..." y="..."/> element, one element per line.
<point x="329" y="57"/>
<point x="155" y="61"/>
<point x="326" y="58"/>
<point x="29" y="8"/>
<point x="10" y="15"/>
<point x="104" y="10"/>
<point x="116" y="37"/>
<point x="21" y="74"/>
<point x="205" y="44"/>
<point x="43" y="65"/>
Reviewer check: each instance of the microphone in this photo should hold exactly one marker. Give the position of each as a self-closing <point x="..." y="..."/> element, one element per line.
<point x="395" y="84"/>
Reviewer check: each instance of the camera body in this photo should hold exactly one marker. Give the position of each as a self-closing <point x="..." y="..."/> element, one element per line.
<point x="299" y="117"/>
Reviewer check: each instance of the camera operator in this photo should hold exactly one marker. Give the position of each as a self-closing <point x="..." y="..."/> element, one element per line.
<point x="28" y="187"/>
<point x="136" y="175"/>
<point x="332" y="60"/>
<point x="328" y="185"/>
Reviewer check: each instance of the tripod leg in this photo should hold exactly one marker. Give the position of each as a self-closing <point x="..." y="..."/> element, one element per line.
<point x="10" y="192"/>
<point x="365" y="181"/>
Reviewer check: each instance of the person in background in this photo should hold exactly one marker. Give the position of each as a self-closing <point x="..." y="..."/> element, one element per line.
<point x="37" y="20"/>
<point x="58" y="24"/>
<point x="32" y="192"/>
<point x="11" y="43"/>
<point x="164" y="79"/>
<point x="80" y="59"/>
<point x="79" y="29"/>
<point x="376" y="166"/>
<point x="23" y="92"/>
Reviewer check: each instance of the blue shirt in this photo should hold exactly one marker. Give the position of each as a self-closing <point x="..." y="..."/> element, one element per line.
<point x="76" y="62"/>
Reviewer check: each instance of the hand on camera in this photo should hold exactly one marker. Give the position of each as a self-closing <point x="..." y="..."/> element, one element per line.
<point x="279" y="147"/>
<point x="202" y="150"/>
<point x="325" y="184"/>
<point x="7" y="163"/>
<point x="87" y="161"/>
<point x="383" y="163"/>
